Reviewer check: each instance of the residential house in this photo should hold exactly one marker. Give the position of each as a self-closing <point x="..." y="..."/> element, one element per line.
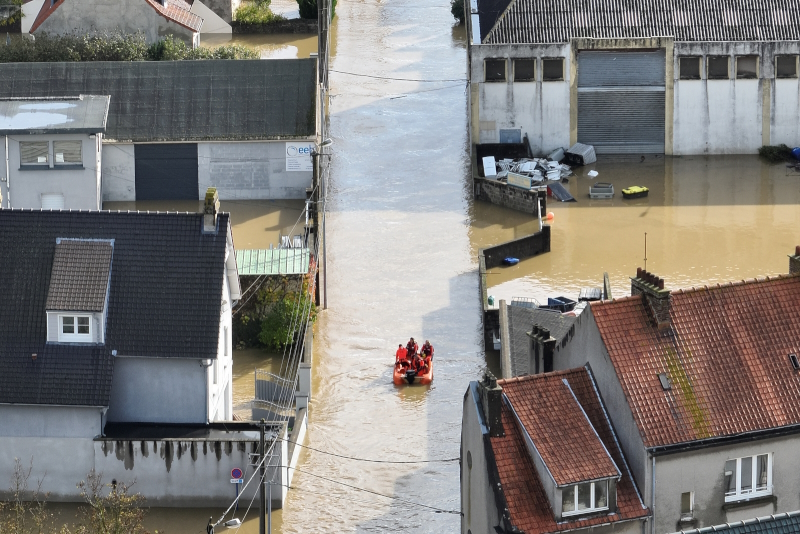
<point x="154" y="19"/>
<point x="176" y="128"/>
<point x="702" y="387"/>
<point x="534" y="337"/>
<point x="540" y="455"/>
<point x="116" y="353"/>
<point x="54" y="147"/>
<point x="634" y="77"/>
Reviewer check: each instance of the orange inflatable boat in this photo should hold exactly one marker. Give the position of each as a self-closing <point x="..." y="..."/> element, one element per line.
<point x="403" y="375"/>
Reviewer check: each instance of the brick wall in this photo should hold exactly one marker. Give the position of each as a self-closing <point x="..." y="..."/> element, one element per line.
<point x="501" y="194"/>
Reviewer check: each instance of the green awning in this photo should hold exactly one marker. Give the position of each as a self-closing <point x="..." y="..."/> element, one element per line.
<point x="280" y="261"/>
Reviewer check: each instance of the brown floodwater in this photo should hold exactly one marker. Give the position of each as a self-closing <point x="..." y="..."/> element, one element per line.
<point x="270" y="46"/>
<point x="403" y="237"/>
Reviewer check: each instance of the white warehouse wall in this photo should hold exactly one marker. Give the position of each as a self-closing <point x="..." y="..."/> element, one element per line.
<point x="119" y="172"/>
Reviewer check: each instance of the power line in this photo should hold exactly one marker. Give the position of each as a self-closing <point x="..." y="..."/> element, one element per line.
<point x="373" y="461"/>
<point x="398" y="79"/>
<point x="434" y="508"/>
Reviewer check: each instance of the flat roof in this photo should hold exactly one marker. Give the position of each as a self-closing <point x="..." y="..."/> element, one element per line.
<point x="279" y="261"/>
<point x="82" y="114"/>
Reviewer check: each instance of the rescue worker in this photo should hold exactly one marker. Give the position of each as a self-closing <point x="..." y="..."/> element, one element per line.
<point x="411" y="348"/>
<point x="400" y="355"/>
<point x="418" y="364"/>
<point x="427" y="349"/>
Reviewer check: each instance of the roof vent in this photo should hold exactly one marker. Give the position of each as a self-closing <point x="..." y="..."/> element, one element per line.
<point x="795" y="363"/>
<point x="665" y="383"/>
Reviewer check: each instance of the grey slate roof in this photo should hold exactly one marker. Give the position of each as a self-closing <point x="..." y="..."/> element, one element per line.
<point x="183" y="100"/>
<point x="79" y="279"/>
<point x="786" y="523"/>
<point x="545" y="21"/>
<point x="164" y="301"/>
<point x="61" y="115"/>
<point x="520" y="322"/>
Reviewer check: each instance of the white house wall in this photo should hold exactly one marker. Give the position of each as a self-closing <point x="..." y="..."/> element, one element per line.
<point x="220" y="395"/>
<point x="540" y="109"/>
<point x="785" y="116"/>
<point x="79" y="186"/>
<point x="48" y="421"/>
<point x="158" y="390"/>
<point x="249" y="170"/>
<point x="125" y="16"/>
<point x="212" y="23"/>
<point x="119" y="172"/>
<point x="29" y="12"/>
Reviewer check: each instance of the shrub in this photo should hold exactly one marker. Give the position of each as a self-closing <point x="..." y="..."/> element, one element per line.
<point x="257" y="12"/>
<point x="112" y="47"/>
<point x="308" y="9"/>
<point x="281" y="326"/>
<point x="457" y="9"/>
<point x="775" y="153"/>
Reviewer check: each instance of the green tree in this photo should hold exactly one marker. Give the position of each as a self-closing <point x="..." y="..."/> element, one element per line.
<point x="10" y="12"/>
<point x="457" y="9"/>
<point x="110" y="508"/>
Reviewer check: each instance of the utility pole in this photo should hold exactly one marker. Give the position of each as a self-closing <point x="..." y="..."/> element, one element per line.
<point x="261" y="472"/>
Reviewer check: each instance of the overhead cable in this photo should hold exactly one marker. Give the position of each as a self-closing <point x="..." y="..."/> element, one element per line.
<point x="372" y="461"/>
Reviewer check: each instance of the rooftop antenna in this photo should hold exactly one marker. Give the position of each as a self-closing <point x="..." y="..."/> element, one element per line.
<point x="645" y="251"/>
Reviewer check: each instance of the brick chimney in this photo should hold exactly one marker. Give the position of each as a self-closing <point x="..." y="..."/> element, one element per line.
<point x="655" y="297"/>
<point x="547" y="343"/>
<point x="491" y="402"/>
<point x="210" y="210"/>
<point x="794" y="261"/>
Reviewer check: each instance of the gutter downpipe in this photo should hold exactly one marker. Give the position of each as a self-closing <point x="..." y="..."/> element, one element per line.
<point x="653" y="499"/>
<point x="8" y="177"/>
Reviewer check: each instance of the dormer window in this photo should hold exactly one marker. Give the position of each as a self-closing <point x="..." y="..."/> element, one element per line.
<point x="75" y="328"/>
<point x="584" y="498"/>
<point x="80" y="281"/>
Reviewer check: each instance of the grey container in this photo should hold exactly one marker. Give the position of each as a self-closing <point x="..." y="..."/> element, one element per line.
<point x="601" y="190"/>
<point x="580" y="154"/>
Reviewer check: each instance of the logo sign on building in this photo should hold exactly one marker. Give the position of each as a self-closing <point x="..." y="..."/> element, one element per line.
<point x="298" y="157"/>
<point x="518" y="180"/>
<point x="236" y="476"/>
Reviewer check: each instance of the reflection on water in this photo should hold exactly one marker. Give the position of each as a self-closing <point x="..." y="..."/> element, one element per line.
<point x="708" y="220"/>
<point x="270" y="46"/>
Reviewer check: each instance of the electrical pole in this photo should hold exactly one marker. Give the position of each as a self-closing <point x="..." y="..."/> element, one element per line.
<point x="262" y="471"/>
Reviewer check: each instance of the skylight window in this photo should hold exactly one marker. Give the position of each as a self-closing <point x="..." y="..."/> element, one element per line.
<point x="665" y="383"/>
<point x="795" y="362"/>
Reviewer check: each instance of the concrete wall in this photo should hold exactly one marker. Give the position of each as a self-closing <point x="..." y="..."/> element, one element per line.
<point x="178" y="473"/>
<point x="508" y="196"/>
<point x="124" y="16"/>
<point x="79" y="185"/>
<point x="540" y="109"/>
<point x="523" y="247"/>
<point x="247" y="170"/>
<point x="702" y="472"/>
<point x="223" y="8"/>
<point x="48" y="422"/>
<point x="158" y="390"/>
<point x="119" y="172"/>
<point x="477" y="497"/>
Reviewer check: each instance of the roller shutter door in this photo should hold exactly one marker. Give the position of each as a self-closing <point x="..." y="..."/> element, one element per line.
<point x="621" y="101"/>
<point x="166" y="172"/>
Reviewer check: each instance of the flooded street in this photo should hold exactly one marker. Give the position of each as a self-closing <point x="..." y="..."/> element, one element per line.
<point x="403" y="238"/>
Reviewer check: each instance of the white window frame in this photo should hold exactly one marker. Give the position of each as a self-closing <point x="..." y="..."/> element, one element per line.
<point x="574" y="488"/>
<point x="752" y="493"/>
<point x="74" y="337"/>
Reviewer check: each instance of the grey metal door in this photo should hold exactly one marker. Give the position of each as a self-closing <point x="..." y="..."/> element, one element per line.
<point x="621" y="101"/>
<point x="166" y="171"/>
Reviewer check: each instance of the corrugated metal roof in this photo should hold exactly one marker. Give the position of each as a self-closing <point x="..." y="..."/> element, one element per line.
<point x="85" y="114"/>
<point x="182" y="100"/>
<point x="280" y="261"/>
<point x="545" y="21"/>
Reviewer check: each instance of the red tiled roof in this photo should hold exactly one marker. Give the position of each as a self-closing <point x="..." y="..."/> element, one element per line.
<point x="46" y="10"/>
<point x="178" y="12"/>
<point x="528" y="506"/>
<point x="725" y="353"/>
<point x="563" y="436"/>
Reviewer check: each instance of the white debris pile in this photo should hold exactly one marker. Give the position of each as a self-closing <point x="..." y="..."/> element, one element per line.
<point x="538" y="169"/>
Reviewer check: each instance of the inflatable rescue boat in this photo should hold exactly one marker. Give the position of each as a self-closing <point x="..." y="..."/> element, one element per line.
<point x="404" y="375"/>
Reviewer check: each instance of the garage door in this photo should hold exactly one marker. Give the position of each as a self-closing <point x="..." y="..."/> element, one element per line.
<point x="621" y="101"/>
<point x="166" y="172"/>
